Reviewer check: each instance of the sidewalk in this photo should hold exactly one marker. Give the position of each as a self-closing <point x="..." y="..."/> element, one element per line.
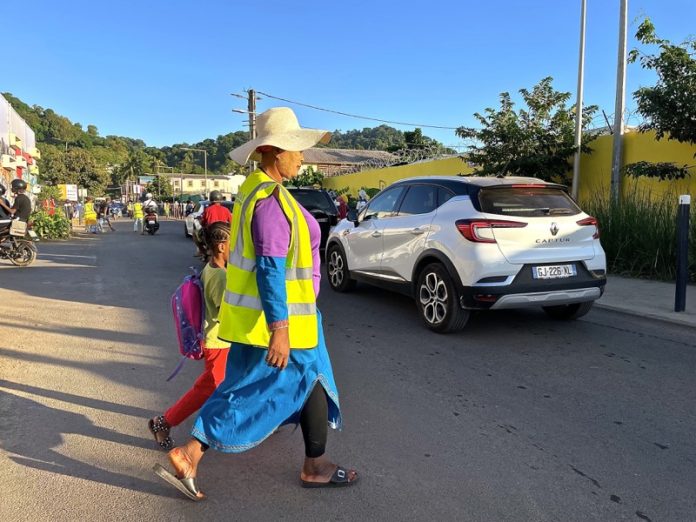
<point x="651" y="299"/>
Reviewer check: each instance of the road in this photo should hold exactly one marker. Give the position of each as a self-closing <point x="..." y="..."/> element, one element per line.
<point x="516" y="418"/>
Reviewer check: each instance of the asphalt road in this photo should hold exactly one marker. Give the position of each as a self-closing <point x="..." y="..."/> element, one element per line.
<point x="516" y="418"/>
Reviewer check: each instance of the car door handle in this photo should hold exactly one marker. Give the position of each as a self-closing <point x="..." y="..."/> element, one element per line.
<point x="376" y="233"/>
<point x="416" y="231"/>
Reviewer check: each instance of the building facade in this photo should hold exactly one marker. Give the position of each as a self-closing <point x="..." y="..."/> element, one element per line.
<point x="195" y="184"/>
<point x="18" y="152"/>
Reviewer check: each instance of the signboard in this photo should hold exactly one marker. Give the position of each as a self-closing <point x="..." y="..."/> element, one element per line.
<point x="68" y="192"/>
<point x="144" y="180"/>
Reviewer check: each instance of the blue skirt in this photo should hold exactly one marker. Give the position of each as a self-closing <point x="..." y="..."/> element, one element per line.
<point x="255" y="399"/>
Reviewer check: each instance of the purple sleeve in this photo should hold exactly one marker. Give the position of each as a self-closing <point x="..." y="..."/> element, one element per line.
<point x="270" y="229"/>
<point x="271" y="233"/>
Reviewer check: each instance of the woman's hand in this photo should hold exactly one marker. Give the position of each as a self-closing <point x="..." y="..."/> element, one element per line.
<point x="278" y="349"/>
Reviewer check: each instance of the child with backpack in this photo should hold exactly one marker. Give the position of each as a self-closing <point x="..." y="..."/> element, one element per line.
<point x="214" y="351"/>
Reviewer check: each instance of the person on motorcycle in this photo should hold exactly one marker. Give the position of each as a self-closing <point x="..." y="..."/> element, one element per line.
<point x="149" y="203"/>
<point x="21" y="209"/>
<point x="213" y="213"/>
<point x="4" y="204"/>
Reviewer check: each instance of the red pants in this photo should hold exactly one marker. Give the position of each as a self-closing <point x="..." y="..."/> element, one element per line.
<point x="213" y="374"/>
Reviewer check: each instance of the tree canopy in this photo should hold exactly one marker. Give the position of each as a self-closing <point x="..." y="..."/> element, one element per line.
<point x="537" y="140"/>
<point x="669" y="106"/>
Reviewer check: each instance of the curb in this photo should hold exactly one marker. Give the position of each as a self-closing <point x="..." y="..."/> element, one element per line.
<point x="679" y="321"/>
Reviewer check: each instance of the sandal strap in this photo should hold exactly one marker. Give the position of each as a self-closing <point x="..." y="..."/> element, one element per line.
<point x="339" y="476"/>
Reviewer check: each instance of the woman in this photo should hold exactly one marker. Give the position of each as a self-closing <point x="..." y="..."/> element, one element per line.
<point x="278" y="369"/>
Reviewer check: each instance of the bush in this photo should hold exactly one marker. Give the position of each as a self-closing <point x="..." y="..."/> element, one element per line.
<point x="50" y="227"/>
<point x="639" y="234"/>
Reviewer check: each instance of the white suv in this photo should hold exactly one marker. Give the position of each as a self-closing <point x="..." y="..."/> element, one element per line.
<point x="458" y="244"/>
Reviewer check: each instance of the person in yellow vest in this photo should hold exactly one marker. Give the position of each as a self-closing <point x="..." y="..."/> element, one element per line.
<point x="90" y="216"/>
<point x="278" y="370"/>
<point x="138" y="216"/>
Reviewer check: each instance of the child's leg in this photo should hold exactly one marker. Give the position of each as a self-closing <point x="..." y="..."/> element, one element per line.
<point x="202" y="389"/>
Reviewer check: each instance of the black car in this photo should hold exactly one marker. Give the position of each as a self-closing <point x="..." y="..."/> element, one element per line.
<point x="318" y="203"/>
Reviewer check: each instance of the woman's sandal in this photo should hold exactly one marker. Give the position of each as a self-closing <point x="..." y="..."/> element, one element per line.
<point x="187" y="485"/>
<point x="159" y="425"/>
<point x="339" y="479"/>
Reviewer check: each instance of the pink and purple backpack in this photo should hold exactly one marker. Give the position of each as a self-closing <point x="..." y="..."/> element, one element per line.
<point x="188" y="308"/>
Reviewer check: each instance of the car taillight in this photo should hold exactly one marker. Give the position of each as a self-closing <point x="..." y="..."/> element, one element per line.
<point x="481" y="230"/>
<point x="590" y="221"/>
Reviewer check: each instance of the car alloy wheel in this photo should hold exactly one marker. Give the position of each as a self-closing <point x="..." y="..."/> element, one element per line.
<point x="433" y="298"/>
<point x="337" y="268"/>
<point x="438" y="301"/>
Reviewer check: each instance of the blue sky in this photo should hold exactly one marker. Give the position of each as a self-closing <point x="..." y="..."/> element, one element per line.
<point x="163" y="71"/>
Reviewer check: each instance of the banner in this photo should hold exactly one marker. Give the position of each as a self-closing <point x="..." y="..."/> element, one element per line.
<point x="68" y="192"/>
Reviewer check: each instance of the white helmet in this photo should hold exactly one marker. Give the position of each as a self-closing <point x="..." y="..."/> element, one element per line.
<point x="148" y="195"/>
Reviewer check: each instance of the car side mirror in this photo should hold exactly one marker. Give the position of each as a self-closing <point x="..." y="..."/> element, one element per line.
<point x="353" y="217"/>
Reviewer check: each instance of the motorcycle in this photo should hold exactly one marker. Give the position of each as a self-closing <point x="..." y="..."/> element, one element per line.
<point x="17" y="243"/>
<point x="151" y="221"/>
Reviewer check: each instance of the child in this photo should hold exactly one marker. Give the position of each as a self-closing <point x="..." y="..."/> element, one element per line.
<point x="215" y="351"/>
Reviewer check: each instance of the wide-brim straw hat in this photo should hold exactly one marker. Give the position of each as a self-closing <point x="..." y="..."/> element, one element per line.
<point x="279" y="127"/>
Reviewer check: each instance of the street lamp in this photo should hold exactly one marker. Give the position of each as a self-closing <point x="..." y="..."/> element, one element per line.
<point x="205" y="165"/>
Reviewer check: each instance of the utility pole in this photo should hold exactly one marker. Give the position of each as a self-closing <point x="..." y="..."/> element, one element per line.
<point x="251" y="107"/>
<point x="617" y="153"/>
<point x="578" y="107"/>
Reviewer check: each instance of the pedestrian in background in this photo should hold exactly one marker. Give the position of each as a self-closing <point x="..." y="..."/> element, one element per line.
<point x="215" y="351"/>
<point x="138" y="216"/>
<point x="278" y="369"/>
<point x="90" y="216"/>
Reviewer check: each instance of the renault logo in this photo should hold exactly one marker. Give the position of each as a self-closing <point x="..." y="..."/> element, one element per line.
<point x="554" y="229"/>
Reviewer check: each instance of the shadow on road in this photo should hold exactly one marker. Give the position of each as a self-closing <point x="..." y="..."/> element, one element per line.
<point x="34" y="431"/>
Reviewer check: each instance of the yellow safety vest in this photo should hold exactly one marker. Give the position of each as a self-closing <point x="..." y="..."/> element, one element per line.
<point x="90" y="213"/>
<point x="138" y="211"/>
<point x="241" y="315"/>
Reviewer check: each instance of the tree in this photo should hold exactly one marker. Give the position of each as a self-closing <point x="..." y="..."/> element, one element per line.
<point x="537" y="141"/>
<point x="308" y="178"/>
<point x="160" y="188"/>
<point x="669" y="107"/>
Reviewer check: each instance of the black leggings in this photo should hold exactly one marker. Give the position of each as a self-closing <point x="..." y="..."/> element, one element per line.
<point x="313" y="421"/>
<point x="314" y="424"/>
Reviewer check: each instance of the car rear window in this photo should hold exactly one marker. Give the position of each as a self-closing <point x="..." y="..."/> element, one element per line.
<point x="312" y="200"/>
<point x="527" y="202"/>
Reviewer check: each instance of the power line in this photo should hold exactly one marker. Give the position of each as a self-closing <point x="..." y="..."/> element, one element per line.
<point x="355" y="115"/>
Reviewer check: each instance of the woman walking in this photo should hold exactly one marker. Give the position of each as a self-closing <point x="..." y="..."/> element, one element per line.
<point x="214" y="350"/>
<point x="278" y="369"/>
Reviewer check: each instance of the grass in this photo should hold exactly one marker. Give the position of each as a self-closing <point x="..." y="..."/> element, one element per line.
<point x="639" y="234"/>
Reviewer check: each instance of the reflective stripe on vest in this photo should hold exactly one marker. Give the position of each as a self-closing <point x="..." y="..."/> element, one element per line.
<point x="241" y="314"/>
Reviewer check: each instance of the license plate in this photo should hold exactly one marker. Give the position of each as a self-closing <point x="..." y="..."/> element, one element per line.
<point x="553" y="271"/>
<point x="150" y="222"/>
<point x="32" y="234"/>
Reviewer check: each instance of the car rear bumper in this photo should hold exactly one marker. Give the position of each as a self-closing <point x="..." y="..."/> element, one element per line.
<point x="525" y="291"/>
<point x="560" y="297"/>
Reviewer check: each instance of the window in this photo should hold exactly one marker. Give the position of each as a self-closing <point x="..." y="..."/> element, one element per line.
<point x="216" y="184"/>
<point x="384" y="203"/>
<point x="202" y="183"/>
<point x="443" y="196"/>
<point x="189" y="183"/>
<point x="527" y="201"/>
<point x="176" y="182"/>
<point x="420" y="199"/>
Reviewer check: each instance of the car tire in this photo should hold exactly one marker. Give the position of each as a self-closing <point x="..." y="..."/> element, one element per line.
<point x="337" y="270"/>
<point x="186" y="232"/>
<point x="438" y="301"/>
<point x="568" y="312"/>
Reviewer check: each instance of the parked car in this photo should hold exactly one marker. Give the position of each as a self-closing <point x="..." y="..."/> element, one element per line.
<point x="191" y="223"/>
<point x="318" y="203"/>
<point x="458" y="244"/>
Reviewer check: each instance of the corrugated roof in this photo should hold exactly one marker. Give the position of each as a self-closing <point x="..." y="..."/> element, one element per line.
<point x="345" y="156"/>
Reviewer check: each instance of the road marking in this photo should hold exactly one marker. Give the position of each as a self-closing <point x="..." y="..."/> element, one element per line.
<point x="94" y="258"/>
